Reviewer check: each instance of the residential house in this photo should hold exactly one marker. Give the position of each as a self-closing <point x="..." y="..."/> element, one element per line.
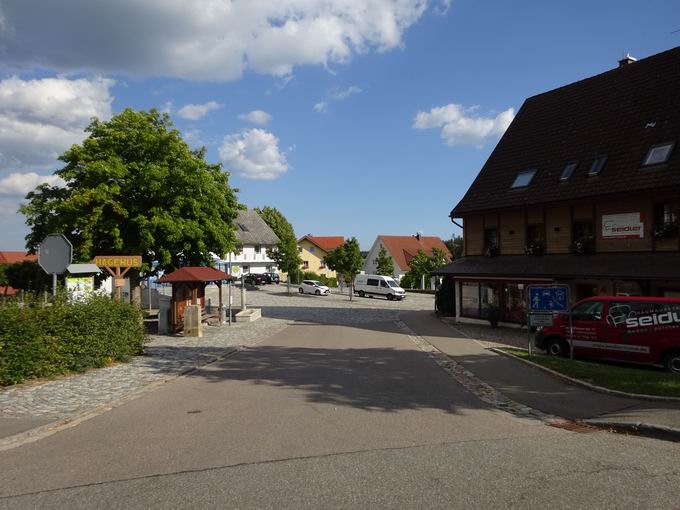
<point x="254" y="237"/>
<point x="13" y="257"/>
<point x="313" y="249"/>
<point x="582" y="189"/>
<point x="402" y="249"/>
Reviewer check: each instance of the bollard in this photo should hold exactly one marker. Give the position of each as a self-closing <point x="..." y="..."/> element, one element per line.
<point x="223" y="314"/>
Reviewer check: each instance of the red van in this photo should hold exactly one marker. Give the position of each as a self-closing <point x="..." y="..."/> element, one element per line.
<point x="635" y="329"/>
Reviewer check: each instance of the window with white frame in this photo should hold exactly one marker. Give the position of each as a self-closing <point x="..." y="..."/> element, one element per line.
<point x="658" y="154"/>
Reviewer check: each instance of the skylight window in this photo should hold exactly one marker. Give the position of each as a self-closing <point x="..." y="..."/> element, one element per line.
<point x="658" y="154"/>
<point x="523" y="179"/>
<point x="568" y="171"/>
<point x="598" y="165"/>
<point x="243" y="227"/>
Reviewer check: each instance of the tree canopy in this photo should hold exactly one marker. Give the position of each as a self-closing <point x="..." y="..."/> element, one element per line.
<point x="133" y="186"/>
<point x="385" y="264"/>
<point x="346" y="260"/>
<point x="26" y="275"/>
<point x="286" y="252"/>
<point x="455" y="246"/>
<point x="422" y="265"/>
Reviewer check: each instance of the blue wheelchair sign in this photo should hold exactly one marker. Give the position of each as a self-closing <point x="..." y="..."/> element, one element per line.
<point x="549" y="299"/>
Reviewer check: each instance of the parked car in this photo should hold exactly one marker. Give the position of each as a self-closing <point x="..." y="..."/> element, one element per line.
<point x="254" y="279"/>
<point x="626" y="328"/>
<point x="313" y="287"/>
<point x="272" y="278"/>
<point x="378" y="285"/>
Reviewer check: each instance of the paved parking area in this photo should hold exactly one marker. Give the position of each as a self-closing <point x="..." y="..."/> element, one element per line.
<point x="166" y="357"/>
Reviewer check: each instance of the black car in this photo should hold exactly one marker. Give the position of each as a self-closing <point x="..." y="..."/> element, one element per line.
<point x="272" y="278"/>
<point x="254" y="279"/>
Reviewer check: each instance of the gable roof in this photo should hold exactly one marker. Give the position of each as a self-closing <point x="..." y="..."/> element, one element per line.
<point x="195" y="274"/>
<point x="252" y="229"/>
<point x="403" y="248"/>
<point x="326" y="243"/>
<point x="620" y="113"/>
<point x="14" y="257"/>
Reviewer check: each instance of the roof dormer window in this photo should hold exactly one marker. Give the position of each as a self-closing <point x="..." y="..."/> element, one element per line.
<point x="598" y="165"/>
<point x="568" y="171"/>
<point x="658" y="154"/>
<point x="523" y="179"/>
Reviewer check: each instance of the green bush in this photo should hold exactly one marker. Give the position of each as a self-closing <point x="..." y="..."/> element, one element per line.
<point x="37" y="341"/>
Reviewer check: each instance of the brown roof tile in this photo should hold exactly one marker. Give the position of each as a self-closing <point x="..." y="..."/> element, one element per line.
<point x="13" y="257"/>
<point x="195" y="274"/>
<point x="620" y="113"/>
<point x="326" y="243"/>
<point x="404" y="248"/>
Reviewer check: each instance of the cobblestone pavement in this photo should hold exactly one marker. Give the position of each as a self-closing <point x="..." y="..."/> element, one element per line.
<point x="167" y="357"/>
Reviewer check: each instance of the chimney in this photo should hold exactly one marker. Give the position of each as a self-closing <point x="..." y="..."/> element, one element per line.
<point x="417" y="236"/>
<point x="627" y="60"/>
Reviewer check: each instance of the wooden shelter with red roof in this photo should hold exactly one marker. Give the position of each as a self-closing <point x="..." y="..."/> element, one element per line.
<point x="188" y="287"/>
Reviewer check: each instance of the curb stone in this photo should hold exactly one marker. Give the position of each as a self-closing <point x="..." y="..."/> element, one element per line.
<point x="645" y="429"/>
<point x="48" y="429"/>
<point x="656" y="398"/>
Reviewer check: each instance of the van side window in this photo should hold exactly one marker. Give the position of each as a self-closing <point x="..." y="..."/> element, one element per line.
<point x="383" y="283"/>
<point x="372" y="281"/>
<point x="588" y="311"/>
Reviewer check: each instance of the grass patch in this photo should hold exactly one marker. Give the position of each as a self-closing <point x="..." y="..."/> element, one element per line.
<point x="641" y="380"/>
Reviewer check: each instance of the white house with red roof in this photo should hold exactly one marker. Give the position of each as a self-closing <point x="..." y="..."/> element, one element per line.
<point x="402" y="249"/>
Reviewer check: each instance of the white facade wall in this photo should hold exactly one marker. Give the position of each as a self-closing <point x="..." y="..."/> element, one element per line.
<point x="247" y="261"/>
<point x="370" y="265"/>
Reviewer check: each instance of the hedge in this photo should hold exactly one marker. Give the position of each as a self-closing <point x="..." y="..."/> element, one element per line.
<point x="44" y="341"/>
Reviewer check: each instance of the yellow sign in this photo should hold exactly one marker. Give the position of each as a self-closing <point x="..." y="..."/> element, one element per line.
<point x="118" y="260"/>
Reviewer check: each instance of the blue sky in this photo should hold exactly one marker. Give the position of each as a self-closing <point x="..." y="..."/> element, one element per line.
<point x="343" y="151"/>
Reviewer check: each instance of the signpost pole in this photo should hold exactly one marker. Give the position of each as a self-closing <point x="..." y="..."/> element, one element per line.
<point x="54" y="285"/>
<point x="571" y="337"/>
<point x="529" y="332"/>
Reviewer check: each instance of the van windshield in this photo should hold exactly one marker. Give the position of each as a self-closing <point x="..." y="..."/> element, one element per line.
<point x="392" y="284"/>
<point x="588" y="311"/>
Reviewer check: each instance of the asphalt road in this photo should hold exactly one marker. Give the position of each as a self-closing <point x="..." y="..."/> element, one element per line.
<point x="325" y="416"/>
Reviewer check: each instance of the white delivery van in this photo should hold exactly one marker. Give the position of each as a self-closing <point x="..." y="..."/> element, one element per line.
<point x="378" y="285"/>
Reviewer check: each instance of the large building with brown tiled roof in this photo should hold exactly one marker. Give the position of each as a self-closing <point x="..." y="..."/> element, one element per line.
<point x="584" y="189"/>
<point x="402" y="249"/>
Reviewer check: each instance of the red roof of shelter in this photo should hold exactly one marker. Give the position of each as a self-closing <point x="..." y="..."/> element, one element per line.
<point x="6" y="290"/>
<point x="195" y="274"/>
<point x="14" y="257"/>
<point x="326" y="243"/>
<point x="404" y="248"/>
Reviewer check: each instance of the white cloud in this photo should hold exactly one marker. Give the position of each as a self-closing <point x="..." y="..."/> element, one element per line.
<point x="460" y="127"/>
<point x="198" y="111"/>
<point x="17" y="184"/>
<point x="204" y="39"/>
<point x="254" y="154"/>
<point x="340" y="94"/>
<point x="39" y="119"/>
<point x="257" y="117"/>
<point x="336" y="94"/>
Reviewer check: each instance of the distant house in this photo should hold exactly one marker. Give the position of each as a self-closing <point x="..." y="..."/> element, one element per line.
<point x="254" y="238"/>
<point x="402" y="249"/>
<point x="313" y="249"/>
<point x="13" y="257"/>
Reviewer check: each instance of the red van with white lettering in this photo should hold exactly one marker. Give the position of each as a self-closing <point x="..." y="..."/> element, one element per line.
<point x="625" y="328"/>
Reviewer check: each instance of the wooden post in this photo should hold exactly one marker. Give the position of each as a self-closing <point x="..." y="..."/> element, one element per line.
<point x="219" y="286"/>
<point x="194" y="295"/>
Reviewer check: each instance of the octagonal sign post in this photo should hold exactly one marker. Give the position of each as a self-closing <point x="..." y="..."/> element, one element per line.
<point x="55" y="253"/>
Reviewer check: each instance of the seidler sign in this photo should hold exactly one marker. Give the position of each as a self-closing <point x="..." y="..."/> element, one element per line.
<point x="622" y="226"/>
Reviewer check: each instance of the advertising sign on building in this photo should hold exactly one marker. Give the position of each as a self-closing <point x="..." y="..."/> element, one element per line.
<point x="622" y="226"/>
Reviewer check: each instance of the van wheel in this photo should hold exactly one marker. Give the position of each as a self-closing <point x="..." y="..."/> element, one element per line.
<point x="301" y="291"/>
<point x="672" y="362"/>
<point x="390" y="297"/>
<point x="362" y="293"/>
<point x="557" y="347"/>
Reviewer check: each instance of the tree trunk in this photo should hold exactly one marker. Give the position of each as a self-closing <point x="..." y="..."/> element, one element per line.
<point x="135" y="289"/>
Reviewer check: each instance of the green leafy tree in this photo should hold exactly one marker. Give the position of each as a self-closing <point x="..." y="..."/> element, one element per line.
<point x="346" y="260"/>
<point x="135" y="187"/>
<point x="28" y="276"/>
<point x="422" y="265"/>
<point x="385" y="264"/>
<point x="286" y="252"/>
<point x="455" y="246"/>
